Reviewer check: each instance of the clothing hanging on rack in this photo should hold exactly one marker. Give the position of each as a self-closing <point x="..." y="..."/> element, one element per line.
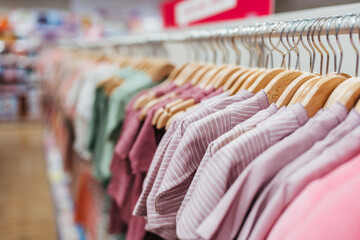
<point x="219" y="151"/>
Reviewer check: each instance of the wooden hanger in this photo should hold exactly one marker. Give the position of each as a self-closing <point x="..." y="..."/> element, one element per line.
<point x="234" y="77"/>
<point x="224" y="76"/>
<point x="347" y="93"/>
<point x="201" y="73"/>
<point x="186" y="75"/>
<point x="210" y="75"/>
<point x="357" y="106"/>
<point x="237" y="84"/>
<point x="278" y="84"/>
<point x="172" y="118"/>
<point x="320" y="92"/>
<point x="304" y="90"/>
<point x="250" y="80"/>
<point x="161" y="111"/>
<point x="176" y="115"/>
<point x="209" y="79"/>
<point x="165" y="114"/>
<point x="263" y="80"/>
<point x="290" y="90"/>
<point x="161" y="71"/>
<point x="144" y="99"/>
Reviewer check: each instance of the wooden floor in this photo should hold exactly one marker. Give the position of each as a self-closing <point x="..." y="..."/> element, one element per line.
<point x="26" y="210"/>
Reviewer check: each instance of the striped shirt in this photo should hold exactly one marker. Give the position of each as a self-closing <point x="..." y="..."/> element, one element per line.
<point x="351" y="122"/>
<point x="169" y="144"/>
<point x="264" y="168"/>
<point x="323" y="157"/>
<point x="222" y="170"/>
<point x="192" y="148"/>
<point x="220" y="142"/>
<point x="140" y="209"/>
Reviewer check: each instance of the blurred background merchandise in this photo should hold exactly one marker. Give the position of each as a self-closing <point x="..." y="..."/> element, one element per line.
<point x="45" y="185"/>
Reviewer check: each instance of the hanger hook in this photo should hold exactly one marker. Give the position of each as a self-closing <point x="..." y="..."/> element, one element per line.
<point x="308" y="38"/>
<point x="284" y="25"/>
<point x="316" y="26"/>
<point x="269" y="51"/>
<point x="308" y="21"/>
<point x="295" y="44"/>
<point x="259" y="51"/>
<point x="353" y="44"/>
<point x="338" y="41"/>
<point x="352" y="25"/>
<point x="271" y="43"/>
<point x="323" y="21"/>
<point x="247" y="44"/>
<point x="329" y="42"/>
<point x="291" y="47"/>
<point x="222" y="46"/>
<point x="233" y="33"/>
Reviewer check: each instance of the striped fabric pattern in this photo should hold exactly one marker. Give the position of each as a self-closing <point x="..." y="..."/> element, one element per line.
<point x="222" y="170"/>
<point x="192" y="148"/>
<point x="220" y="142"/>
<point x="332" y="157"/>
<point x="228" y="216"/>
<point x="146" y="203"/>
<point x="140" y="208"/>
<point x="175" y="132"/>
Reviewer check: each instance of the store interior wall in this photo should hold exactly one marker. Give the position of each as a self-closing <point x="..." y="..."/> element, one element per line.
<point x="57" y="4"/>
<point x="295" y="5"/>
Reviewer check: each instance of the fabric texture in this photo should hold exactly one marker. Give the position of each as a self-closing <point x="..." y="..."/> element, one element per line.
<point x="192" y="147"/>
<point x="265" y="167"/>
<point x="340" y="152"/>
<point x="229" y="162"/>
<point x="296" y="218"/>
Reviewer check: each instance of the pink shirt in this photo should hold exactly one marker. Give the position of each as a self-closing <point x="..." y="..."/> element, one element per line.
<point x="163" y="155"/>
<point x="174" y="134"/>
<point x="192" y="147"/>
<point x="337" y="217"/>
<point x="230" y="213"/>
<point x="337" y="154"/>
<point x="221" y="171"/>
<point x="144" y="147"/>
<point x="220" y="142"/>
<point x="311" y="200"/>
<point x="351" y="121"/>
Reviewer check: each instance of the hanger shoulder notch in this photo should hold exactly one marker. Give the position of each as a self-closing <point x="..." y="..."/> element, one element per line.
<point x="291" y="89"/>
<point x="347" y="93"/>
<point x="320" y="92"/>
<point x="278" y="84"/>
<point x="263" y="80"/>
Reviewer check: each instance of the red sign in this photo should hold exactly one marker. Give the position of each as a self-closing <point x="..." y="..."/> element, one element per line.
<point x="179" y="13"/>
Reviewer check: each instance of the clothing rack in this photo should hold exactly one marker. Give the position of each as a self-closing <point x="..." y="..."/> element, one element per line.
<point x="332" y="25"/>
<point x="259" y="44"/>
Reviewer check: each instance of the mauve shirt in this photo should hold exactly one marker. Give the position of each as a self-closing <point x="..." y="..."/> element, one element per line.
<point x="294" y="220"/>
<point x="164" y="153"/>
<point x="351" y="121"/>
<point x="255" y="177"/>
<point x="192" y="147"/>
<point x="174" y="133"/>
<point x="229" y="162"/>
<point x="340" y="152"/>
<point x="144" y="147"/>
<point x="220" y="142"/>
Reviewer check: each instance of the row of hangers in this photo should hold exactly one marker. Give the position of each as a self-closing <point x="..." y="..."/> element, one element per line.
<point x="282" y="85"/>
<point x="155" y="64"/>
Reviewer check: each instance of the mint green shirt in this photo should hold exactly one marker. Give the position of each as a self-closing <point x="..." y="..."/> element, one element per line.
<point x="113" y="118"/>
